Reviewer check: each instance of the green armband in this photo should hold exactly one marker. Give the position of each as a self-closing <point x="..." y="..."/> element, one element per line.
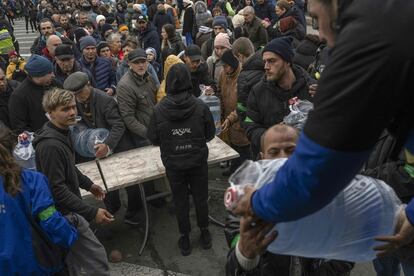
<point x="235" y="240"/>
<point x="409" y="169"/>
<point x="47" y="213"/>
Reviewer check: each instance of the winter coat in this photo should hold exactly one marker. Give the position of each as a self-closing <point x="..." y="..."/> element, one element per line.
<point x="256" y="33"/>
<point x="201" y="76"/>
<point x="17" y="255"/>
<point x="170" y="61"/>
<point x="149" y="38"/>
<point x="215" y="67"/>
<point x="296" y="31"/>
<point x="101" y="70"/>
<point x="204" y="34"/>
<point x="160" y="19"/>
<point x="207" y="47"/>
<point x="136" y="101"/>
<point x="174" y="46"/>
<point x="228" y="99"/>
<point x="251" y="74"/>
<point x="267" y="104"/>
<point x="55" y="157"/>
<point x="60" y="77"/>
<point x="123" y="67"/>
<point x="4" y="101"/>
<point x="105" y="114"/>
<point x="202" y="14"/>
<point x="181" y="124"/>
<point x="25" y="107"/>
<point x="305" y="52"/>
<point x="298" y="14"/>
<point x="188" y="20"/>
<point x="12" y="67"/>
<point x="40" y="43"/>
<point x="265" y="10"/>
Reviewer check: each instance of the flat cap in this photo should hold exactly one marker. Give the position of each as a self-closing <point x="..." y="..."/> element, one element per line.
<point x="76" y="81"/>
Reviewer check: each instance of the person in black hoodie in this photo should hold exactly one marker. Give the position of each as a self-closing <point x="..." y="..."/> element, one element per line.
<point x="182" y="125"/>
<point x="55" y="158"/>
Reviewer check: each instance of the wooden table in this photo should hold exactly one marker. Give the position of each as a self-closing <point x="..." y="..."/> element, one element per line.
<point x="140" y="165"/>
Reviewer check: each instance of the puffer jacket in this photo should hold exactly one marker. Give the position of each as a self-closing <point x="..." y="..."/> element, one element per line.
<point x="12" y="67"/>
<point x="251" y="73"/>
<point x="136" y="101"/>
<point x="228" y="97"/>
<point x="267" y="104"/>
<point x="170" y="61"/>
<point x="102" y="73"/>
<point x="306" y="51"/>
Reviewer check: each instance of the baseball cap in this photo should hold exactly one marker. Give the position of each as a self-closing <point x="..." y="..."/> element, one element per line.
<point x="193" y="52"/>
<point x="64" y="51"/>
<point x="141" y="18"/>
<point x="137" y="54"/>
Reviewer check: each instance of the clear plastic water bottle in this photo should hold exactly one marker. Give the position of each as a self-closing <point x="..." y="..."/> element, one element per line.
<point x="345" y="229"/>
<point x="214" y="105"/>
<point x="84" y="139"/>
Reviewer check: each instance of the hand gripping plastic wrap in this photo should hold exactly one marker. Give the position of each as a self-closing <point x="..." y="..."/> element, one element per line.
<point x="344" y="229"/>
<point x="84" y="139"/>
<point x="299" y="110"/>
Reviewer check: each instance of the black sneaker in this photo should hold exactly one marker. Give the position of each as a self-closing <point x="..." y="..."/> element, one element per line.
<point x="133" y="218"/>
<point x="205" y="239"/>
<point x="184" y="245"/>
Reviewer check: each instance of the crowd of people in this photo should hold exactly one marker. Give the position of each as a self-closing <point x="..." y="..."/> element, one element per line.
<point x="136" y="69"/>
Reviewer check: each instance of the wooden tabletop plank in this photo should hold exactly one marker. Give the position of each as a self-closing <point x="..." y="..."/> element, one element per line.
<point x="143" y="164"/>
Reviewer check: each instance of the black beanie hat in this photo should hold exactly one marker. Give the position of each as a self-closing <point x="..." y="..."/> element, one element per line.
<point x="229" y="59"/>
<point x="280" y="46"/>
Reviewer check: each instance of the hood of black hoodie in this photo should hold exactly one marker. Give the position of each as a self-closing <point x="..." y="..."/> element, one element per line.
<point x="49" y="131"/>
<point x="178" y="107"/>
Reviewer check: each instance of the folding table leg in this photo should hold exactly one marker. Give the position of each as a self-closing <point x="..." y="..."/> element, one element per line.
<point x="145" y="206"/>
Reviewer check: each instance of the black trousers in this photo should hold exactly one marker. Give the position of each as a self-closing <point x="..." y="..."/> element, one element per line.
<point x="193" y="181"/>
<point x="244" y="153"/>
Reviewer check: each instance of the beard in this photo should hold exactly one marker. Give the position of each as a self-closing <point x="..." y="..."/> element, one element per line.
<point x="276" y="76"/>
